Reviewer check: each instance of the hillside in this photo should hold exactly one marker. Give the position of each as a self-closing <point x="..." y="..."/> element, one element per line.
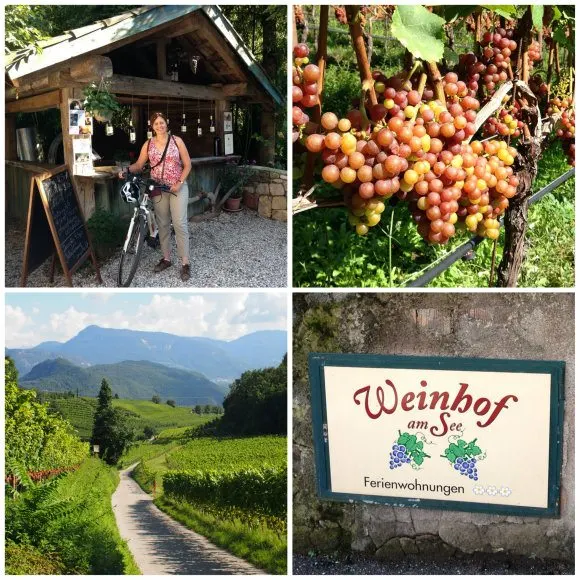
<point x="219" y="360"/>
<point x="128" y="379"/>
<point x="79" y="411"/>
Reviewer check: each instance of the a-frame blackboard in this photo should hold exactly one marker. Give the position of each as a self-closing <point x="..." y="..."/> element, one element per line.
<point x="56" y="224"/>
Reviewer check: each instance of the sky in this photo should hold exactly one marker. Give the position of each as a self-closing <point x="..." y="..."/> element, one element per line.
<point x="32" y="318"/>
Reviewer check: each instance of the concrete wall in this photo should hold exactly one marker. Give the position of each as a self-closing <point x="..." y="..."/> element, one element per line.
<point x="491" y="325"/>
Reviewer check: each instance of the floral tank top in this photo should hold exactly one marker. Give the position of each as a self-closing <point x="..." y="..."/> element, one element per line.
<point x="168" y="171"/>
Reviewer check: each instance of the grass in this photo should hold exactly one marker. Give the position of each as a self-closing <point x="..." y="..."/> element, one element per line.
<point x="261" y="547"/>
<point x="71" y="520"/>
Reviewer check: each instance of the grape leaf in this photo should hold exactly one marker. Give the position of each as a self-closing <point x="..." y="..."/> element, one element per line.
<point x="505" y="11"/>
<point x="461" y="443"/>
<point x="419" y="460"/>
<point x="451" y="57"/>
<point x="419" y="445"/>
<point x="402" y="440"/>
<point x="419" y="31"/>
<point x="450" y="455"/>
<point x="560" y="37"/>
<point x="537" y="15"/>
<point x="457" y="450"/>
<point x="452" y="13"/>
<point x="411" y="442"/>
<point x="475" y="450"/>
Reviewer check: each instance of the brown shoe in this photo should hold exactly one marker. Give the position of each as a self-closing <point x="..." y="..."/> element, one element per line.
<point x="185" y="273"/>
<point x="163" y="264"/>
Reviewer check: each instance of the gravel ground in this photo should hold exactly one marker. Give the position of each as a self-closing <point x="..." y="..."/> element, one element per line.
<point x="231" y="250"/>
<point x="494" y="564"/>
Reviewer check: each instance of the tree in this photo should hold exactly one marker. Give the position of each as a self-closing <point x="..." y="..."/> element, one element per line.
<point x="156" y="399"/>
<point x="110" y="431"/>
<point x="116" y="395"/>
<point x="171" y="402"/>
<point x="207" y="409"/>
<point x="197" y="409"/>
<point x="257" y="402"/>
<point x="149" y="432"/>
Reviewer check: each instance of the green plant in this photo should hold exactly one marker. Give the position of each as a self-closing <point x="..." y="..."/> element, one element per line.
<point x="107" y="232"/>
<point x="234" y="177"/>
<point x="99" y="101"/>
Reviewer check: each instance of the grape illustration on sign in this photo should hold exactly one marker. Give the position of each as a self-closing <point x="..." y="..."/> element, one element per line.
<point x="462" y="457"/>
<point x="407" y="449"/>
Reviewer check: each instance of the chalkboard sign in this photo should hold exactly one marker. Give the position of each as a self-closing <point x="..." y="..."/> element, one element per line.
<point x="55" y="223"/>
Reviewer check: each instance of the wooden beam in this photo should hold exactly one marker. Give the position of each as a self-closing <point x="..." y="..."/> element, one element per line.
<point x="206" y="30"/>
<point x="161" y="50"/>
<point x="33" y="104"/>
<point x="92" y="68"/>
<point x="155" y="88"/>
<point x="235" y="90"/>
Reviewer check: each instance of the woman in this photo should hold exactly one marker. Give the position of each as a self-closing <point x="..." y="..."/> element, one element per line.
<point x="171" y="170"/>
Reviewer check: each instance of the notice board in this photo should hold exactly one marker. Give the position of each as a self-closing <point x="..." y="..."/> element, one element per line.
<point x="481" y="435"/>
<point x="56" y="225"/>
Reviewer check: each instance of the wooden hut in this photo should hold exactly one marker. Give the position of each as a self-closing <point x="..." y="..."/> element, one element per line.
<point x="176" y="59"/>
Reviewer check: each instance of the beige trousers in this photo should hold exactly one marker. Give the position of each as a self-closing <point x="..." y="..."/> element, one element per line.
<point x="173" y="208"/>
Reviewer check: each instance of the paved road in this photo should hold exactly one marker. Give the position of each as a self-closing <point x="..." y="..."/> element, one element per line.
<point x="160" y="545"/>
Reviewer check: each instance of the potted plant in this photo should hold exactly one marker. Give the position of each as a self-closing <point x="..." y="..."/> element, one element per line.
<point x="232" y="179"/>
<point x="100" y="102"/>
<point x="234" y="201"/>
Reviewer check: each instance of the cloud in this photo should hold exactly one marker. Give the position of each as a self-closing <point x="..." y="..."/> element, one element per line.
<point x="19" y="327"/>
<point x="223" y="316"/>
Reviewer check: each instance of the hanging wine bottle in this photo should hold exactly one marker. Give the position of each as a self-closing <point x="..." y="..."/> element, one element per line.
<point x="183" y="124"/>
<point x="211" y="124"/>
<point x="199" y="131"/>
<point x="132" y="133"/>
<point x="149" y="131"/>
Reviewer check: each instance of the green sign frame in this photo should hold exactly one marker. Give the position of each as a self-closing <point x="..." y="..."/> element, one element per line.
<point x="556" y="370"/>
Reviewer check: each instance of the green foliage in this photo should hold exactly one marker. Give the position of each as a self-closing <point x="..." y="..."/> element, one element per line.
<point x="23" y="27"/>
<point x="260" y="492"/>
<point x="156" y="399"/>
<point x="414" y="447"/>
<point x="229" y="454"/>
<point x="171" y="403"/>
<point x="110" y="430"/>
<point x="419" y="31"/>
<point x="35" y="439"/>
<point x="107" y="232"/>
<point x="99" y="101"/>
<point x="257" y="403"/>
<point x="70" y="521"/>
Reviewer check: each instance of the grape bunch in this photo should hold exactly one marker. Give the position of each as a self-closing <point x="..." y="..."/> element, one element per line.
<point x="496" y="50"/>
<point x="304" y="88"/>
<point x="417" y="150"/>
<point x="340" y="14"/>
<point x="538" y="86"/>
<point x="466" y="466"/>
<point x="567" y="132"/>
<point x="399" y="456"/>
<point x="505" y="122"/>
<point x="534" y="52"/>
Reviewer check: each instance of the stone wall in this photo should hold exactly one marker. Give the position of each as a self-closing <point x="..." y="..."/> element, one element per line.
<point x="536" y="326"/>
<point x="266" y="191"/>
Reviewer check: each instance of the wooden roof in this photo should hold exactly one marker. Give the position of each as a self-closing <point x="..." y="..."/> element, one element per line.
<point x="201" y="29"/>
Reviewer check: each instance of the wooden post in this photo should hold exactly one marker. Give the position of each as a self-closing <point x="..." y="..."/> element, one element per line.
<point x="85" y="187"/>
<point x="11" y="153"/>
<point x="220" y="107"/>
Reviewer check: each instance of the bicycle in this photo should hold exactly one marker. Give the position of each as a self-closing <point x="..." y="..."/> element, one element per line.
<point x="143" y="225"/>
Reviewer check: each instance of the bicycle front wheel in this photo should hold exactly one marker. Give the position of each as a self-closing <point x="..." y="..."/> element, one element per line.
<point x="132" y="254"/>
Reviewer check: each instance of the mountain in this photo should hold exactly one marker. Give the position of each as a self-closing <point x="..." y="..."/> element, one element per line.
<point x="219" y="360"/>
<point x="129" y="379"/>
